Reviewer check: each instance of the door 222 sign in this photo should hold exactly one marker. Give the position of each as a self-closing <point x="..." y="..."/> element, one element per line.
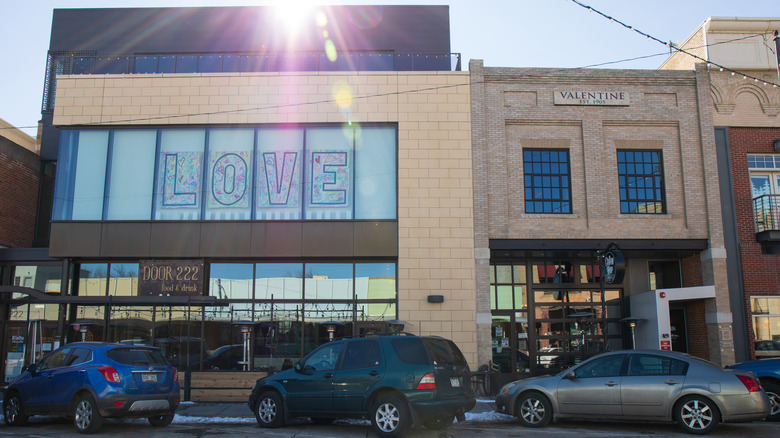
<point x="164" y="278"/>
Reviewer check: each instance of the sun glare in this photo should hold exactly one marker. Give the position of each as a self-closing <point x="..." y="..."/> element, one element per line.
<point x="295" y="14"/>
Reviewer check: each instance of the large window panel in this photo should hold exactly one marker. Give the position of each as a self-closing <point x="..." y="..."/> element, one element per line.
<point x="81" y="177"/>
<point x="328" y="281"/>
<point x="641" y="182"/>
<point x="231" y="280"/>
<point x="179" y="175"/>
<point x="329" y="174"/>
<point x="124" y="280"/>
<point x="375" y="281"/>
<point x="279" y="177"/>
<point x="279" y="281"/>
<point x="547" y="181"/>
<point x="375" y="185"/>
<point x="131" y="181"/>
<point x="229" y="174"/>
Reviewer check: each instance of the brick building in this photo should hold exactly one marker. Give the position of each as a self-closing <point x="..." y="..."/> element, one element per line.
<point x="19" y="178"/>
<point x="573" y="168"/>
<point x="745" y="89"/>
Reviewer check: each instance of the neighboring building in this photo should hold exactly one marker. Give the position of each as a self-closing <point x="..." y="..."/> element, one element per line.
<point x="215" y="174"/>
<point x="570" y="163"/>
<point x="19" y="177"/>
<point x="746" y="114"/>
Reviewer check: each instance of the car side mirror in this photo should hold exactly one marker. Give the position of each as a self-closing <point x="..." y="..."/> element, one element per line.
<point x="297" y="367"/>
<point x="570" y="375"/>
<point x="32" y="368"/>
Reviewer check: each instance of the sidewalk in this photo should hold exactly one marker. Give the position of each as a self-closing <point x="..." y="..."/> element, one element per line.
<point x="239" y="410"/>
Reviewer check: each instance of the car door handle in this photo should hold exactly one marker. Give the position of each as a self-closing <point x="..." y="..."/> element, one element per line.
<point x="328" y="375"/>
<point x="671" y="382"/>
<point x="611" y="383"/>
<point x="373" y="373"/>
<point x="82" y="371"/>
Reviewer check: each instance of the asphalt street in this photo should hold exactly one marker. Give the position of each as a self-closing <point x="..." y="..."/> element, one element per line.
<point x="61" y="428"/>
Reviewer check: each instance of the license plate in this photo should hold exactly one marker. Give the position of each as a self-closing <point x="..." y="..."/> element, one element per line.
<point x="455" y="382"/>
<point x="148" y="377"/>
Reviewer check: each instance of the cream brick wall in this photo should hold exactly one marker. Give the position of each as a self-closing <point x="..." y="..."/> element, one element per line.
<point x="432" y="110"/>
<point x="743" y="102"/>
<point x="513" y="108"/>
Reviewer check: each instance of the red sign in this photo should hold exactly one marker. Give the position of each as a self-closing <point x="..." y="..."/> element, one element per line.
<point x="666" y="345"/>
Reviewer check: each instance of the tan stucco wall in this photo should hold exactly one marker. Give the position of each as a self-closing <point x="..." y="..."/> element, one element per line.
<point x="432" y="110"/>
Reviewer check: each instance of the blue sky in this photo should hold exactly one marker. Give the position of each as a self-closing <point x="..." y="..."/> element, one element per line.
<point x="503" y="33"/>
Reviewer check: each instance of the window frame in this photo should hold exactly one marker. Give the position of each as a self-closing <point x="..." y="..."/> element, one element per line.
<point x="539" y="176"/>
<point x="625" y="200"/>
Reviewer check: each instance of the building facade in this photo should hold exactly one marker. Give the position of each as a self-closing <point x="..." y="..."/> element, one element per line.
<point x="576" y="171"/>
<point x="254" y="188"/>
<point x="745" y="88"/>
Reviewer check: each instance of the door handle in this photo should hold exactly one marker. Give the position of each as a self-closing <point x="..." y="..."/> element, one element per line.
<point x="373" y="373"/>
<point x="671" y="382"/>
<point x="328" y="375"/>
<point x="611" y="383"/>
<point x="82" y="371"/>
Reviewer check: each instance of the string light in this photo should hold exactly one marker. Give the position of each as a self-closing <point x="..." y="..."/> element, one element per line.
<point x="668" y="44"/>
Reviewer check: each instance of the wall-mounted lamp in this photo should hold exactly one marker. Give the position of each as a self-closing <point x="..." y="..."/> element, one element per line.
<point x="435" y="298"/>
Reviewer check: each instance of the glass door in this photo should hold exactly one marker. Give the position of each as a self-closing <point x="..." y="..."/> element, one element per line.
<point x="510" y="345"/>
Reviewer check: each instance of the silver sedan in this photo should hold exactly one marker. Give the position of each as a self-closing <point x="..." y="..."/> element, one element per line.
<point x="639" y="385"/>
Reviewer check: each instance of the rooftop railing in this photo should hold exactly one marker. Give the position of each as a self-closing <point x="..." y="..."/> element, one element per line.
<point x="76" y="63"/>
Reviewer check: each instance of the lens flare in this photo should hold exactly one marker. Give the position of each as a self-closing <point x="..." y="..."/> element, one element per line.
<point x="330" y="51"/>
<point x="321" y="19"/>
<point x="342" y="94"/>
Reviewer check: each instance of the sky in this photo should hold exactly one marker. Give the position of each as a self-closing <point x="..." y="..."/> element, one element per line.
<point x="503" y="33"/>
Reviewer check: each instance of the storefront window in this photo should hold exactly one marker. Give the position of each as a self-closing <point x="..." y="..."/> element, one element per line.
<point x="231" y="280"/>
<point x="280" y="281"/>
<point x="766" y="326"/>
<point x="375" y="281"/>
<point x="42" y="278"/>
<point x="93" y="278"/>
<point x="328" y="281"/>
<point x="79" y="187"/>
<point x="124" y="280"/>
<point x="130" y="324"/>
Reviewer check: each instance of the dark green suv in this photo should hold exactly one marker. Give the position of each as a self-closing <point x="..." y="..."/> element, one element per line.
<point x="393" y="380"/>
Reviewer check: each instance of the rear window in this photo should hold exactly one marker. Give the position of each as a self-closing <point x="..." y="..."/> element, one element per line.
<point x="136" y="356"/>
<point x="411" y="351"/>
<point x="444" y="352"/>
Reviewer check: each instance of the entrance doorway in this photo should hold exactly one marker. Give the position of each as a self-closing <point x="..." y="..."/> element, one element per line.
<point x="510" y="346"/>
<point x="678" y="323"/>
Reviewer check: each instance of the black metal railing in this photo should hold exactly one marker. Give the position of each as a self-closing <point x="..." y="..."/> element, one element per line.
<point x="766" y="213"/>
<point x="75" y="63"/>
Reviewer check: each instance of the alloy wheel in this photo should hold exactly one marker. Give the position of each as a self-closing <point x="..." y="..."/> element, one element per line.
<point x="387" y="417"/>
<point x="267" y="410"/>
<point x="83" y="414"/>
<point x="532" y="410"/>
<point x="696" y="414"/>
<point x="12" y="409"/>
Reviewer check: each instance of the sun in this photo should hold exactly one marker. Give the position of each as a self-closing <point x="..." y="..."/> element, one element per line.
<point x="295" y="14"/>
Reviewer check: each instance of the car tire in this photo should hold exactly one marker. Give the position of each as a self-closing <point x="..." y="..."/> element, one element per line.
<point x="269" y="411"/>
<point x="697" y="415"/>
<point x="534" y="410"/>
<point x="390" y="416"/>
<point x="13" y="411"/>
<point x="161" y="420"/>
<point x="773" y="392"/>
<point x="439" y="423"/>
<point x="86" y="416"/>
<point x="322" y="421"/>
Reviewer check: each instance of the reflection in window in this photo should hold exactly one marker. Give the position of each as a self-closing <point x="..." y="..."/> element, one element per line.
<point x="124" y="280"/>
<point x="42" y="278"/>
<point x="279" y="281"/>
<point x="93" y="278"/>
<point x="547" y="181"/>
<point x="328" y="281"/>
<point x="641" y="182"/>
<point x="375" y="281"/>
<point x="766" y="325"/>
<point x="231" y="280"/>
<point x="130" y="324"/>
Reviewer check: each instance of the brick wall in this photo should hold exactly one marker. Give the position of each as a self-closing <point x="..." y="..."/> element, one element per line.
<point x="691" y="272"/>
<point x="697" y="329"/>
<point x="19" y="176"/>
<point x="760" y="272"/>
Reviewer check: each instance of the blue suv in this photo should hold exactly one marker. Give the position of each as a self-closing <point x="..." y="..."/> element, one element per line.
<point x="768" y="373"/>
<point x="92" y="380"/>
